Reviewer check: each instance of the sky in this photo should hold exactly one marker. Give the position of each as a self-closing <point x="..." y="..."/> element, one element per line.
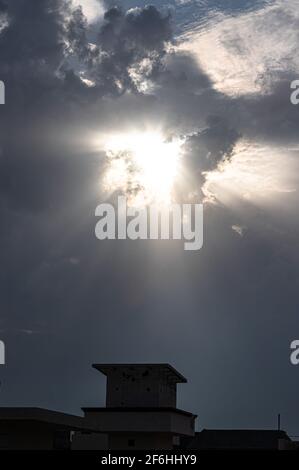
<point x="214" y="76"/>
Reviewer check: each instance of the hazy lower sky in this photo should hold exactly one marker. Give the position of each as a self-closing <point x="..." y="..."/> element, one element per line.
<point x="214" y="77"/>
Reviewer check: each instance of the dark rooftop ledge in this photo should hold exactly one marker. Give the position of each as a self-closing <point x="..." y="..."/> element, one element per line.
<point x="138" y="409"/>
<point x="44" y="416"/>
<point x="167" y="368"/>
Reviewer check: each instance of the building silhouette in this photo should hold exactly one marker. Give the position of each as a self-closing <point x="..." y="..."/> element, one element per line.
<point x="239" y="439"/>
<point x="140" y="410"/>
<point x="140" y="413"/>
<point x="38" y="428"/>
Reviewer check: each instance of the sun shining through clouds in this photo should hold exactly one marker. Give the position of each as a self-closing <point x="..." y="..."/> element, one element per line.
<point x="144" y="166"/>
<point x="147" y="168"/>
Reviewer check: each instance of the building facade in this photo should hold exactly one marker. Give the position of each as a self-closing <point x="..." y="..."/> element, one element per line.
<point x="141" y="411"/>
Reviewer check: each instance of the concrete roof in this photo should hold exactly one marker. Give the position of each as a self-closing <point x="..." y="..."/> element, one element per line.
<point x="42" y="415"/>
<point x="166" y="368"/>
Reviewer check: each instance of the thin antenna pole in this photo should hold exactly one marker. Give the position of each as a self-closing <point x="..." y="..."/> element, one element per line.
<point x="278" y="421"/>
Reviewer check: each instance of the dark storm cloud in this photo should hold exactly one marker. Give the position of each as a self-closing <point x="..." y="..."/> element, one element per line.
<point x="46" y="96"/>
<point x="42" y="52"/>
<point x="270" y="116"/>
<point x="34" y="35"/>
<point x="44" y="49"/>
<point x="204" y="150"/>
<point x="136" y="32"/>
<point x="125" y="39"/>
<point x="45" y="46"/>
<point x="77" y="34"/>
<point x="213" y="143"/>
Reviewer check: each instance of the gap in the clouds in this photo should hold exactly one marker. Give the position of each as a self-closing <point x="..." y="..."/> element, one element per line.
<point x="228" y="6"/>
<point x="92" y="9"/>
<point x="188" y="12"/>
